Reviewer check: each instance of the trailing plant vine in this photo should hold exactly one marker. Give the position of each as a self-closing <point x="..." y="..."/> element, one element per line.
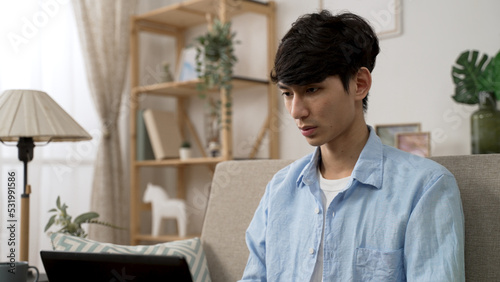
<point x="215" y="60"/>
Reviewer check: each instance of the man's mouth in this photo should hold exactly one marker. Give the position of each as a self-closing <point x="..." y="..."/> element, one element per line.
<point x="307" y="130"/>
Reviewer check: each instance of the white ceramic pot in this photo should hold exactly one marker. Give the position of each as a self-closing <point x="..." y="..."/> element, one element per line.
<point x="185" y="153"/>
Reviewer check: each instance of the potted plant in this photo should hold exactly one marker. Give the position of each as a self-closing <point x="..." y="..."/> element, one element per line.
<point x="185" y="150"/>
<point x="477" y="81"/>
<point x="69" y="226"/>
<point x="167" y="74"/>
<point x="214" y="63"/>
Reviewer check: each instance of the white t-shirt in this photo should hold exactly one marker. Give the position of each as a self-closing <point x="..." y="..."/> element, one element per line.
<point x="329" y="188"/>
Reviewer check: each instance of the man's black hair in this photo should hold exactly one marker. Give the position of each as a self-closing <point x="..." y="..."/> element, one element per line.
<point x="319" y="45"/>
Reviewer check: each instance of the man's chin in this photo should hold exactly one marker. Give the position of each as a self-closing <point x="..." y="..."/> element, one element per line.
<point x="314" y="142"/>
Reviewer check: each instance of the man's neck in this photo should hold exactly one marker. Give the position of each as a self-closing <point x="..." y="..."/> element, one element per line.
<point x="338" y="160"/>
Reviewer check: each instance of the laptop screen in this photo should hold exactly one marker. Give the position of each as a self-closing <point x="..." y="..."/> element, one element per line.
<point x="94" y="267"/>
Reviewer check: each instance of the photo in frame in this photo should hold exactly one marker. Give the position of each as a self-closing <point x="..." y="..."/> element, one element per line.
<point x="387" y="132"/>
<point x="187" y="66"/>
<point x="417" y="143"/>
<point x="383" y="15"/>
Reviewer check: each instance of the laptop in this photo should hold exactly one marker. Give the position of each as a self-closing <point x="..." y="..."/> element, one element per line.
<point x="95" y="267"/>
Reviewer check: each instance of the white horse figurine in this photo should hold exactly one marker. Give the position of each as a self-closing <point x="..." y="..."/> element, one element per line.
<point x="165" y="207"/>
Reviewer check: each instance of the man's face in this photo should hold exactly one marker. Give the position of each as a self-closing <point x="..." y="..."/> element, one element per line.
<point x="323" y="112"/>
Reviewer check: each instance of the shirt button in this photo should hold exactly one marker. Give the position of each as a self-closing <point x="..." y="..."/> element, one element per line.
<point x="311" y="251"/>
<point x="316" y="210"/>
<point x="333" y="214"/>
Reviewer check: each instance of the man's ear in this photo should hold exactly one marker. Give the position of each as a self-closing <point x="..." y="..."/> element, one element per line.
<point x="363" y="83"/>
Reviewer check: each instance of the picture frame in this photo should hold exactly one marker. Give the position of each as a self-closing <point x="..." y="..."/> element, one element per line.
<point x="387" y="132"/>
<point x="417" y="143"/>
<point x="383" y="15"/>
<point x="186" y="69"/>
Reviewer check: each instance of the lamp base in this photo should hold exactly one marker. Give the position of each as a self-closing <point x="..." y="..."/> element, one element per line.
<point x="25" y="224"/>
<point x="25" y="147"/>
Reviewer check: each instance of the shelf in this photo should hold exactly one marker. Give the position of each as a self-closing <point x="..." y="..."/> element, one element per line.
<point x="174" y="21"/>
<point x="178" y="162"/>
<point x="163" y="238"/>
<point x="191" y="13"/>
<point x="188" y="88"/>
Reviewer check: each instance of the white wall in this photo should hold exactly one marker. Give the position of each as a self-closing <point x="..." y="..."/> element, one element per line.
<point x="412" y="79"/>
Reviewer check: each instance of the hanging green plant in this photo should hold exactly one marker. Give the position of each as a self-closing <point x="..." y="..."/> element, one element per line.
<point x="215" y="60"/>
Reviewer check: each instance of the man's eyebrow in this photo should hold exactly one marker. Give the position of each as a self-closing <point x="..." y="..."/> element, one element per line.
<point x="283" y="86"/>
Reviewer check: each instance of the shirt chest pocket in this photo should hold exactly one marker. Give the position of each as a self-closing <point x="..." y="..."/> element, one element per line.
<point x="375" y="265"/>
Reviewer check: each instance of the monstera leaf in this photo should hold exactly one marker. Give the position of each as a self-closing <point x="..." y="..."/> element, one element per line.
<point x="492" y="76"/>
<point x="471" y="77"/>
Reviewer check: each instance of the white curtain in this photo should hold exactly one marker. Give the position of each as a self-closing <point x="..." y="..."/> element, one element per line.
<point x="40" y="50"/>
<point x="104" y="27"/>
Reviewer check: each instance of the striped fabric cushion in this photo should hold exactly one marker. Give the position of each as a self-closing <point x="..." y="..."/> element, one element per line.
<point x="191" y="249"/>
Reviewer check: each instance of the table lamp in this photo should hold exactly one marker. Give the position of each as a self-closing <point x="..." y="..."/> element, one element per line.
<point x="26" y="117"/>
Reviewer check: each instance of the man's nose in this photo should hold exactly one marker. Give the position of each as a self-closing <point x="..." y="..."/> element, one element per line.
<point x="298" y="109"/>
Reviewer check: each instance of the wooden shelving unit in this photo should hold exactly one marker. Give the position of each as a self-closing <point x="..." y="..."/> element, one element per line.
<point x="173" y="21"/>
<point x="188" y="88"/>
<point x="177" y="162"/>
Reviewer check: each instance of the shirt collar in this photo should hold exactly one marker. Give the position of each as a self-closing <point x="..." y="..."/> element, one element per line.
<point x="368" y="168"/>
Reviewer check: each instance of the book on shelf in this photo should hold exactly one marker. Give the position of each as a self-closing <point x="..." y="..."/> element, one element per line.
<point x="163" y="131"/>
<point x="144" y="150"/>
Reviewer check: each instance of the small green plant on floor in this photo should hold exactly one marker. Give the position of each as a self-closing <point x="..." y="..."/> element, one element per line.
<point x="62" y="219"/>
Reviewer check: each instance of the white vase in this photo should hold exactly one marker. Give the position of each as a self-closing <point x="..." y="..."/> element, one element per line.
<point x="185" y="153"/>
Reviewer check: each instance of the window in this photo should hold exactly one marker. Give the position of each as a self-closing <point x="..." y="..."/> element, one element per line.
<point x="40" y="50"/>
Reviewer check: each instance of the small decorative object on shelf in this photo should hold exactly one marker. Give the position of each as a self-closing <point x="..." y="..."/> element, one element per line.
<point x="167" y="74"/>
<point x="212" y="124"/>
<point x="185" y="150"/>
<point x="69" y="226"/>
<point x="165" y="207"/>
<point x="478" y="82"/>
<point x="214" y="149"/>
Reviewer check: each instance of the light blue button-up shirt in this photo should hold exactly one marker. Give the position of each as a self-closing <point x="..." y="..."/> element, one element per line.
<point x="399" y="219"/>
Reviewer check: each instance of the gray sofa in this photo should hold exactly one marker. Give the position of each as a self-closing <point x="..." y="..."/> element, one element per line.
<point x="238" y="186"/>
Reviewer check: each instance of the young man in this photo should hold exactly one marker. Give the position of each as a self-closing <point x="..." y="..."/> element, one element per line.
<point x="354" y="210"/>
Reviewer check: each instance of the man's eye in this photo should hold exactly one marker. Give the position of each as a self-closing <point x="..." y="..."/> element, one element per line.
<point x="312" y="89"/>
<point x="286" y="94"/>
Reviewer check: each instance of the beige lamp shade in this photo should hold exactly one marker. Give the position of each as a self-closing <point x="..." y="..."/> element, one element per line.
<point x="31" y="113"/>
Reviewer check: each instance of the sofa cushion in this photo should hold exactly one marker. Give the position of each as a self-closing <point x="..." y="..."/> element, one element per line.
<point x="191" y="249"/>
<point x="237" y="188"/>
